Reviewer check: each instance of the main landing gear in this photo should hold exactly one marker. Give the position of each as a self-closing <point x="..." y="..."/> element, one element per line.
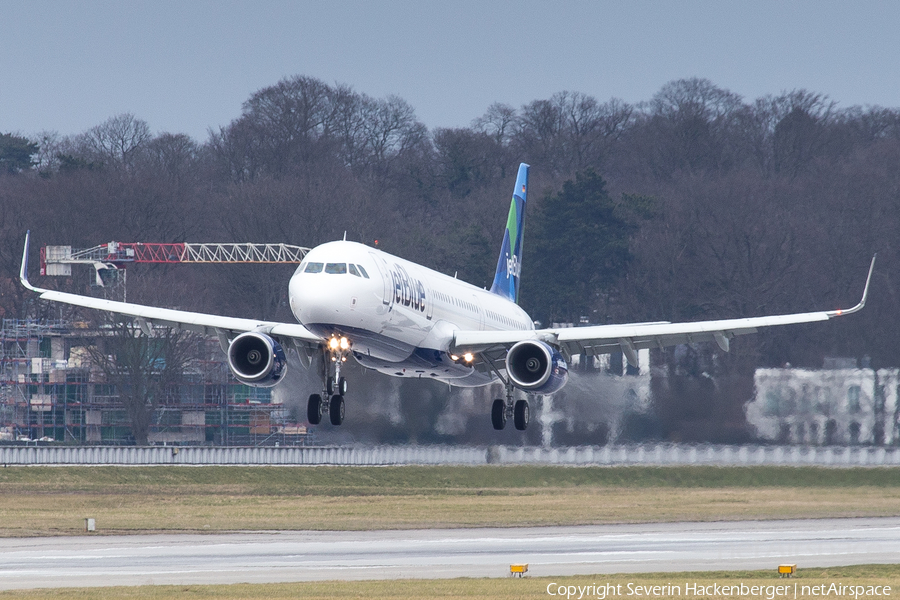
<point x="335" y="355"/>
<point x="502" y="409"/>
<point x="316" y="408"/>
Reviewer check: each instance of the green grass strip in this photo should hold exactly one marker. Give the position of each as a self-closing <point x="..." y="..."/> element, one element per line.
<point x="509" y="588"/>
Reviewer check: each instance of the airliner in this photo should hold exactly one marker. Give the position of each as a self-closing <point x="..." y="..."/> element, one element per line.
<point x="404" y="320"/>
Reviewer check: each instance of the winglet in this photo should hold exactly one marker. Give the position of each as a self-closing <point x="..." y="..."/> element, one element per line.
<point x="23" y="272"/>
<point x="842" y="312"/>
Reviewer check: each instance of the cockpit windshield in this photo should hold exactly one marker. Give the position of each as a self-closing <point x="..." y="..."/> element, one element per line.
<point x="333" y="269"/>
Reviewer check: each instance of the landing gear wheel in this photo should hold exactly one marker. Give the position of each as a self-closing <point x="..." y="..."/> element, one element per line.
<point x="340" y="390"/>
<point x="336" y="410"/>
<point x="314" y="409"/>
<point x="521" y="415"/>
<point x="498" y="414"/>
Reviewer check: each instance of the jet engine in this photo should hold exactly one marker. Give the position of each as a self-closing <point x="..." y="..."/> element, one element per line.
<point x="256" y="359"/>
<point x="536" y="367"/>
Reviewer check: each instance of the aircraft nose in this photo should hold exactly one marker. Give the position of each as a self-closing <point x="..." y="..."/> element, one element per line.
<point x="305" y="299"/>
<point x="321" y="298"/>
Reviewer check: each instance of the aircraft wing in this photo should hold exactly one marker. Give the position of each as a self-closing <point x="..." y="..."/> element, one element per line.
<point x="199" y="322"/>
<point x="629" y="338"/>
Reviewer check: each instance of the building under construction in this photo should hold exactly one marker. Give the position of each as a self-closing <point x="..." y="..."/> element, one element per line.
<point x="51" y="389"/>
<point x="53" y="384"/>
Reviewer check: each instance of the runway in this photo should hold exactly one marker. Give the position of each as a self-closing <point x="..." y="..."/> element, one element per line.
<point x="96" y="560"/>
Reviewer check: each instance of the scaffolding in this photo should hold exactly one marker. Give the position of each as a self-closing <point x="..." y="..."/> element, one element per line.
<point x="51" y="391"/>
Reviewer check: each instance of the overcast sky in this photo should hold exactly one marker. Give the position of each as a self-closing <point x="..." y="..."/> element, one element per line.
<point x="187" y="66"/>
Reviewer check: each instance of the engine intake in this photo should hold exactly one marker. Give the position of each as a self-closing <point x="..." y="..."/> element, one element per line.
<point x="536" y="367"/>
<point x="256" y="359"/>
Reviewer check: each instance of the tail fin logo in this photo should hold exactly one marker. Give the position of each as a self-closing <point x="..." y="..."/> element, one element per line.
<point x="509" y="264"/>
<point x="513" y="268"/>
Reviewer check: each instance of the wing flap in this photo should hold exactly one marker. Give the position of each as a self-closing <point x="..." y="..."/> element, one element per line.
<point x="603" y="339"/>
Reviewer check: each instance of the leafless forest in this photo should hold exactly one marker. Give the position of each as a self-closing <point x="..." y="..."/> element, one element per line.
<point x="719" y="206"/>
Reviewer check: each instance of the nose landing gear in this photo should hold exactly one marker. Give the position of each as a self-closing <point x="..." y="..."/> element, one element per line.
<point x="335" y="353"/>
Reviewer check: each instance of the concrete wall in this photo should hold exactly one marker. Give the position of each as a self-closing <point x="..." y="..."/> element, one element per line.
<point x="652" y="454"/>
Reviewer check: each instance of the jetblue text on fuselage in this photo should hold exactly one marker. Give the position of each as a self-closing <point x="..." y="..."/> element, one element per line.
<point x="408" y="291"/>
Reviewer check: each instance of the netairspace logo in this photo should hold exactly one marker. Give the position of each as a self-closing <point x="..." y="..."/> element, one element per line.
<point x="769" y="592"/>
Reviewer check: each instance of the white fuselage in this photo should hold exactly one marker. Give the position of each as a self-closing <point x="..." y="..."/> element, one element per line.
<point x="399" y="317"/>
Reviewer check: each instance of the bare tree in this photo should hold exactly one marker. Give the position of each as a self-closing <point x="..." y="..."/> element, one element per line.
<point x="287" y="120"/>
<point x="497" y="122"/>
<point x="690" y="121"/>
<point x="571" y="131"/>
<point x="142" y="368"/>
<point x="117" y="141"/>
<point x="348" y="125"/>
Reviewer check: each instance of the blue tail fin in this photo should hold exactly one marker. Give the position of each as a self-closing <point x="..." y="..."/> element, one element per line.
<point x="509" y="265"/>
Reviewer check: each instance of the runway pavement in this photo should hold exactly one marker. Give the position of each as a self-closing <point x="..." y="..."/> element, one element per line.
<point x="98" y="560"/>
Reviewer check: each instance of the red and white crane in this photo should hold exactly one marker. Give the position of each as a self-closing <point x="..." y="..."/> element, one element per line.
<point x="109" y="260"/>
<point x="58" y="260"/>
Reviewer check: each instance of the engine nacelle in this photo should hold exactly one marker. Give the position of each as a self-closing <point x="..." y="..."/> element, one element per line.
<point x="536" y="367"/>
<point x="256" y="359"/>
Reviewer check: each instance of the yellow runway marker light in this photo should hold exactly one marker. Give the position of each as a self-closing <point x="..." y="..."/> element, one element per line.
<point x="787" y="570"/>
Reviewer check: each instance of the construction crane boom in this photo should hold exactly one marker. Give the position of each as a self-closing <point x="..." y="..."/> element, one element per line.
<point x="57" y="260"/>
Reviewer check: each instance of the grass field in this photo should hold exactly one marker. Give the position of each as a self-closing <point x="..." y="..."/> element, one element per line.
<point x="55" y="500"/>
<point x="867" y="576"/>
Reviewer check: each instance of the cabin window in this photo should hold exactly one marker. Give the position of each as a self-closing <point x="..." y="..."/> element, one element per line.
<point x="314" y="267"/>
<point x="336" y="268"/>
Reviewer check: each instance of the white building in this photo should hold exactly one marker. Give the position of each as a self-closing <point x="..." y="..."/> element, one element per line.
<point x="843" y="406"/>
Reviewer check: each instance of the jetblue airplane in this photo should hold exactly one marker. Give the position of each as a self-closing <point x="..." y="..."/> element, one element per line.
<point x="402" y="319"/>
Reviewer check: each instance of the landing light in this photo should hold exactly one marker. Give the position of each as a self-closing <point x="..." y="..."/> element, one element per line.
<point x="342" y="343"/>
<point x="468" y="357"/>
